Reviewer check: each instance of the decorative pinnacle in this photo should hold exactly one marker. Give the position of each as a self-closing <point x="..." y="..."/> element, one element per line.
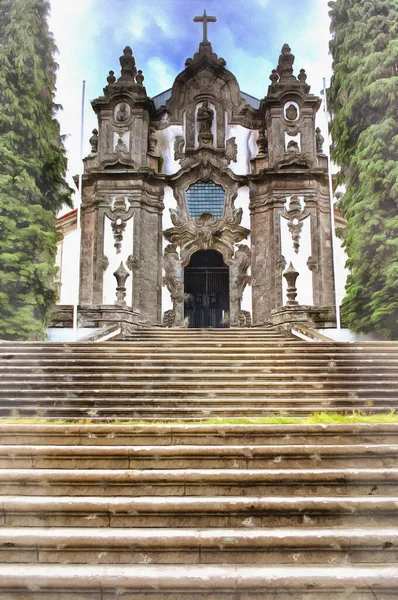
<point x="204" y="19"/>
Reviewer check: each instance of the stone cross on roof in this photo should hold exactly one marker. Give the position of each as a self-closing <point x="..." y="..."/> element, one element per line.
<point x="204" y="19"/>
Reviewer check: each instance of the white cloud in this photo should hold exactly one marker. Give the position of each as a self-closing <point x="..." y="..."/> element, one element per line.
<point x="161" y="73"/>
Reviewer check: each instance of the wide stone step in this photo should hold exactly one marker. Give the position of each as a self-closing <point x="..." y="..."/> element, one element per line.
<point x="196" y="482"/>
<point x="189" y="413"/>
<point x="233" y="511"/>
<point x="216" y="434"/>
<point x="199" y="457"/>
<point x="283" y="546"/>
<point x="194" y="582"/>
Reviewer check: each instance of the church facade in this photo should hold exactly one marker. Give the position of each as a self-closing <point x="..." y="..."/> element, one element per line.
<point x="204" y="206"/>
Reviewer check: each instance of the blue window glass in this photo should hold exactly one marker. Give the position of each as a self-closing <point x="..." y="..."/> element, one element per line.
<point x="205" y="197"/>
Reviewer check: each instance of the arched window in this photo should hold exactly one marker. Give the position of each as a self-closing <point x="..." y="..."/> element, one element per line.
<point x="205" y="197"/>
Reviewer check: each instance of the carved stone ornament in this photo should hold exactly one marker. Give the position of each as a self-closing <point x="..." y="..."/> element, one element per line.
<point x="174" y="273"/>
<point x="262" y="143"/>
<point x="291" y="275"/>
<point x="291" y="112"/>
<point x="285" y="63"/>
<point x="94" y="141"/>
<point x="152" y="141"/>
<point x="243" y="259"/>
<point x="205" y="118"/>
<point x="122" y="112"/>
<point x="319" y="140"/>
<point x="295" y="215"/>
<point x="205" y="233"/>
<point x="244" y="318"/>
<point x="169" y="318"/>
<point x="119" y="214"/>
<point x="281" y="262"/>
<point x="179" y="144"/>
<point x="231" y="149"/>
<point x="127" y="63"/>
<point x="121" y="275"/>
<point x="311" y="263"/>
<point x="121" y="147"/>
<point x="140" y="77"/>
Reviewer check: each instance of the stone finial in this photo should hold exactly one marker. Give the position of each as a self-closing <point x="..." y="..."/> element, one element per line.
<point x="121" y="275"/>
<point x="302" y="76"/>
<point x="274" y="77"/>
<point x="140" y="77"/>
<point x="127" y="63"/>
<point x="319" y="141"/>
<point x="111" y="79"/>
<point x="94" y="141"/>
<point x="285" y="63"/>
<point x="291" y="275"/>
<point x="262" y="143"/>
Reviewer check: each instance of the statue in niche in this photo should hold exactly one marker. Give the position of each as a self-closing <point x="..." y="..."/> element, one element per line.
<point x="293" y="147"/>
<point x="122" y="112"/>
<point x="127" y="63"/>
<point x="319" y="140"/>
<point x="205" y="118"/>
<point x="94" y="142"/>
<point x="121" y="146"/>
<point x="285" y="63"/>
<point x="291" y="112"/>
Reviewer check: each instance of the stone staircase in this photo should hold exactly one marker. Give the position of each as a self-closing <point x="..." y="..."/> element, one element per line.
<point x="198" y="512"/>
<point x="187" y="374"/>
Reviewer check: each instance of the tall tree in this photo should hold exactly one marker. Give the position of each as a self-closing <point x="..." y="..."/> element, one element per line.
<point x="363" y="98"/>
<point x="32" y="169"/>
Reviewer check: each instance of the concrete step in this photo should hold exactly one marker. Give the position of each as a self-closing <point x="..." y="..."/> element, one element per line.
<point x="217" y="434"/>
<point x="194" y="582"/>
<point x="198" y="457"/>
<point x="255" y="546"/>
<point x="198" y="482"/>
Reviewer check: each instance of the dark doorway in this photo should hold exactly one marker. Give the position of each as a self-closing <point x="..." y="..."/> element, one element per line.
<point x="206" y="288"/>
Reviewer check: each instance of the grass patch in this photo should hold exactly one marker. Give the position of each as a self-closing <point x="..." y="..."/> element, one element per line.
<point x="313" y="419"/>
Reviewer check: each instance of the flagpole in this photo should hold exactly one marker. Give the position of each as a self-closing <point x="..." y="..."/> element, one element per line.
<point x="78" y="216"/>
<point x="332" y="220"/>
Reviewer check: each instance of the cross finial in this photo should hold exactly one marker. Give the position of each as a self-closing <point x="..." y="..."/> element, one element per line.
<point x="205" y="19"/>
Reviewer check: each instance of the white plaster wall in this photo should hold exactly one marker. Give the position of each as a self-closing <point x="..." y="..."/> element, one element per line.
<point x="299" y="260"/>
<point x="165" y="147"/>
<point x="247" y="148"/>
<point x="67" y="261"/>
<point x="109" y="280"/>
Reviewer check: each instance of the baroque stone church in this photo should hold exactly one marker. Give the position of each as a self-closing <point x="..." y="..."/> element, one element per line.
<point x="204" y="206"/>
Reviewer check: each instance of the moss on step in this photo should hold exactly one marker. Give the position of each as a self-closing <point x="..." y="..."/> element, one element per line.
<point x="322" y="417"/>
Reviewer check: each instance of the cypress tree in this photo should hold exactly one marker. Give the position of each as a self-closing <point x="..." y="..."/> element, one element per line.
<point x="363" y="98"/>
<point x="32" y="169"/>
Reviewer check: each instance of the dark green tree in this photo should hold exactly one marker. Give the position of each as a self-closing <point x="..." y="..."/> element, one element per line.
<point x="363" y="98"/>
<point x="32" y="169"/>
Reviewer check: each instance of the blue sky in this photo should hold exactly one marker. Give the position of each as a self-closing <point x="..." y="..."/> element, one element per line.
<point x="248" y="34"/>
